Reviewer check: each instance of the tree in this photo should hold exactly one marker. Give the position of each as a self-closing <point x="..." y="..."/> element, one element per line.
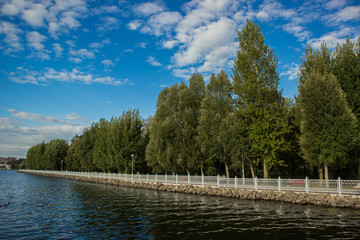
<point x="190" y="99"/>
<point x="162" y="152"/>
<point x="54" y="154"/>
<point x="215" y="108"/>
<point x="126" y="139"/>
<point x="258" y="101"/>
<point x="328" y="127"/>
<point x="102" y="158"/>
<point x="345" y="64"/>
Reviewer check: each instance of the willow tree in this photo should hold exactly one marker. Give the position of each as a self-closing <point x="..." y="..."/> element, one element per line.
<point x="215" y="108"/>
<point x="259" y="102"/>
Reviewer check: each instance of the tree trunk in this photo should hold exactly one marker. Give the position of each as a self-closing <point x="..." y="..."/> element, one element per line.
<point x="227" y="172"/>
<point x="243" y="166"/>
<point x="326" y="174"/>
<point x="266" y="171"/>
<point x="188" y="172"/>
<point x="202" y="170"/>
<point x="321" y="174"/>
<point x="252" y="169"/>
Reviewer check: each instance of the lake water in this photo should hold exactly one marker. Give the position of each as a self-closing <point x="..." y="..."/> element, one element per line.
<point x="49" y="208"/>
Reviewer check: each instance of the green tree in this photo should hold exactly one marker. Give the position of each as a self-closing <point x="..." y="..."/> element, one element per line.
<point x="54" y="154"/>
<point x="346" y="67"/>
<point x="190" y="99"/>
<point x="215" y="108"/>
<point x="102" y="158"/>
<point x="259" y="103"/>
<point x="162" y="152"/>
<point x="328" y="127"/>
<point x="126" y="139"/>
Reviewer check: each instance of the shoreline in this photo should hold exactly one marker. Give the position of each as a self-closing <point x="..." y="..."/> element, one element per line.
<point x="318" y="199"/>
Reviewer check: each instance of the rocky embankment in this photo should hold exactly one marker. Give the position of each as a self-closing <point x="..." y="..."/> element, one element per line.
<point x="319" y="199"/>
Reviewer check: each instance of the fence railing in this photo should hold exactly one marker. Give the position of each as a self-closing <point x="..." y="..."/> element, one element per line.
<point x="336" y="186"/>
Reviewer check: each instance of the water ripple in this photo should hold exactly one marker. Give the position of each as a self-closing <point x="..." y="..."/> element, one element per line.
<point x="48" y="208"/>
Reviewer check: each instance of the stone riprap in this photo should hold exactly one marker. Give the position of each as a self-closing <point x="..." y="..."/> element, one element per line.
<point x="319" y="199"/>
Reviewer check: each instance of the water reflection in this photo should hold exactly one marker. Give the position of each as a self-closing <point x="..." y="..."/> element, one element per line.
<point x="58" y="208"/>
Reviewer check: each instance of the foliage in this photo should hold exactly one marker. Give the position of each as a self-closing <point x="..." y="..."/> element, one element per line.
<point x="259" y="103"/>
<point x="328" y="127"/>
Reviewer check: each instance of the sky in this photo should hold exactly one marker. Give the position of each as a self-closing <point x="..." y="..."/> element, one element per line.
<point x="67" y="63"/>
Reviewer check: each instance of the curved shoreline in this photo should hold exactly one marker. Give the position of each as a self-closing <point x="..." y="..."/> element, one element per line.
<point x="319" y="199"/>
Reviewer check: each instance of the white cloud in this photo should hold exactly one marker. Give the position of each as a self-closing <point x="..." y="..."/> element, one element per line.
<point x="107" y="63"/>
<point x="153" y="61"/>
<point x="292" y="71"/>
<point x="149" y="8"/>
<point x="141" y="44"/>
<point x="135" y="24"/>
<point x="170" y="44"/>
<point x="332" y="38"/>
<point x="74" y="116"/>
<point x="16" y="136"/>
<point x="204" y="40"/>
<point x="108" y="24"/>
<point x="160" y="23"/>
<point x="10" y="9"/>
<point x="349" y="13"/>
<point x="37" y="117"/>
<point x="335" y="4"/>
<point x="35" y="15"/>
<point x="12" y="38"/>
<point x="82" y="53"/>
<point x="270" y="10"/>
<point x="35" y="40"/>
<point x="75" y="60"/>
<point x="75" y="76"/>
<point x="107" y="9"/>
<point x="297" y="30"/>
<point x="58" y="49"/>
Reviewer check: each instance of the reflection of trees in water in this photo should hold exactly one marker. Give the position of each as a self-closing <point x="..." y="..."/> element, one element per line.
<point x="139" y="212"/>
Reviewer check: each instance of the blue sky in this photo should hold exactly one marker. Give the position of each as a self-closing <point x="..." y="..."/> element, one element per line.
<point x="67" y="63"/>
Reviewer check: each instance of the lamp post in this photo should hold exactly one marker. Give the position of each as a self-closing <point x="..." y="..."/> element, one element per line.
<point x="62" y="161"/>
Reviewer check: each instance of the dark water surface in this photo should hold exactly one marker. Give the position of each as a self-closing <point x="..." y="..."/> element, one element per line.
<point x="49" y="208"/>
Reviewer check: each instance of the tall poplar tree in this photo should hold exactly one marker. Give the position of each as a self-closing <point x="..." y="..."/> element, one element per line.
<point x="189" y="115"/>
<point x="259" y="102"/>
<point x="328" y="127"/>
<point x="215" y="108"/>
<point x="333" y="119"/>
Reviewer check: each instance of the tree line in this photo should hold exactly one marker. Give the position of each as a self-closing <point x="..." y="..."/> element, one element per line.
<point x="234" y="126"/>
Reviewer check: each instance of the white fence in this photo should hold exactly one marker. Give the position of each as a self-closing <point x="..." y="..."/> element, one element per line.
<point x="337" y="186"/>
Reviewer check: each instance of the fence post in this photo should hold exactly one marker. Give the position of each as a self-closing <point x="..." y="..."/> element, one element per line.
<point x="202" y="179"/>
<point x="176" y="179"/>
<point x="307" y="184"/>
<point x="235" y="181"/>
<point x="165" y="177"/>
<point x="217" y="181"/>
<point x="189" y="179"/>
<point x="256" y="183"/>
<point x="279" y="184"/>
<point x="339" y="185"/>
<point x="155" y="177"/>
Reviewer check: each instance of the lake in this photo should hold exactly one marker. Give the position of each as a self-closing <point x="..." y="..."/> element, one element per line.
<point x="35" y="207"/>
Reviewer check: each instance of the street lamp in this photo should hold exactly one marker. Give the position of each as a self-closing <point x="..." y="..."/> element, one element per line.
<point x="132" y="164"/>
